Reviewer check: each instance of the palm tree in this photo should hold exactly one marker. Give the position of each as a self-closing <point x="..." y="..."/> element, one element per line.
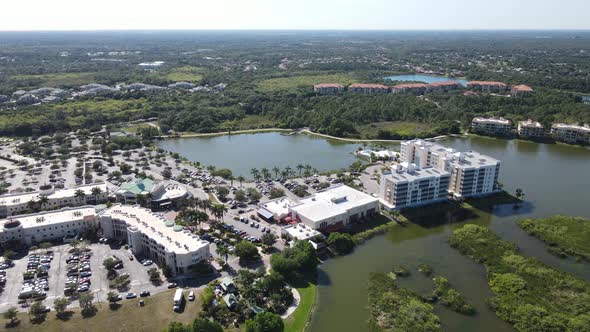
<point x="300" y="168"/>
<point x="222" y="250"/>
<point x="80" y="194"/>
<point x="255" y="173"/>
<point x="141" y="200"/>
<point x="288" y="170"/>
<point x="265" y="173"/>
<point x="43" y="200"/>
<point x="231" y="180"/>
<point x="148" y="198"/>
<point x="308" y="169"/>
<point x="32" y="205"/>
<point x="219" y="210"/>
<point x="276" y="170"/>
<point x="315" y="171"/>
<point x="241" y="179"/>
<point x="95" y="192"/>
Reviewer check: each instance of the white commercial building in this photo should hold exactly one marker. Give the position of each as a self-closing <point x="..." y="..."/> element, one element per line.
<point x="571" y="133"/>
<point x="407" y="185"/>
<point x="301" y="232"/>
<point x="531" y="128"/>
<point x="491" y="126"/>
<point x="150" y="235"/>
<point x="146" y="233"/>
<point x="334" y="208"/>
<point x="45" y="226"/>
<point x="156" y="194"/>
<point x="472" y="173"/>
<point x="13" y="204"/>
<point x="278" y="208"/>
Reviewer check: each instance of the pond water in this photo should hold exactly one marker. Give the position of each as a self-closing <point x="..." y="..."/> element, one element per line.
<point x="424" y="79"/>
<point x="242" y="152"/>
<point x="555" y="179"/>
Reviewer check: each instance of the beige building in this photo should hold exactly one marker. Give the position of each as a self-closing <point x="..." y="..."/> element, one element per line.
<point x="521" y="91"/>
<point x="491" y="126"/>
<point x="571" y="133"/>
<point x="532" y="129"/>
<point x="14" y="204"/>
<point x="487" y="86"/>
<point x="368" y="88"/>
<point x="328" y="89"/>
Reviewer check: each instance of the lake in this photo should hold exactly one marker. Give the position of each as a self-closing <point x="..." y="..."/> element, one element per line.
<point x="242" y="152"/>
<point x="555" y="179"/>
<point x="424" y="79"/>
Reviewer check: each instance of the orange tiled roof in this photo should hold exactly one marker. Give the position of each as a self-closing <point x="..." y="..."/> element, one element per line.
<point x="523" y="88"/>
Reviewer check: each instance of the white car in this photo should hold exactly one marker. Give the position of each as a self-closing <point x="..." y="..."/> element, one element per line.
<point x="191" y="296"/>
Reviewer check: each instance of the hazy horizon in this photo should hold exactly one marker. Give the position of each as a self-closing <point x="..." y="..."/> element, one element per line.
<point x="304" y="15"/>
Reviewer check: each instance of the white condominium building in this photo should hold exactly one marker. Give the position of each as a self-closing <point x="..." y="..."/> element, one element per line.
<point x="472" y="173"/>
<point x="334" y="208"/>
<point x="492" y="126"/>
<point x="571" y="133"/>
<point x="407" y="185"/>
<point x="14" y="204"/>
<point x="150" y="235"/>
<point x="368" y="88"/>
<point x="29" y="229"/>
<point x="531" y="128"/>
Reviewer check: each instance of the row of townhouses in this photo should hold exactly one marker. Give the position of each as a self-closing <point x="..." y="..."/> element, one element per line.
<point x="517" y="91"/>
<point x="431" y="173"/>
<point x="569" y="133"/>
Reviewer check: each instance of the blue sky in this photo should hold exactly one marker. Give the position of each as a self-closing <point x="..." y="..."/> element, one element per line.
<point x="294" y="14"/>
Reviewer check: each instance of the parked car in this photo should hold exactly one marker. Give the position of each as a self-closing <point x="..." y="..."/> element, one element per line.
<point x="144" y="293"/>
<point x="130" y="295"/>
<point x="191" y="296"/>
<point x="172" y="285"/>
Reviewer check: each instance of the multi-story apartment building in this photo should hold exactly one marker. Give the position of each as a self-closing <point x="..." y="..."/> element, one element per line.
<point x="368" y="88"/>
<point x="532" y="129"/>
<point x="408" y="186"/>
<point x="150" y="235"/>
<point x="472" y="173"/>
<point x="486" y="86"/>
<point x="521" y="91"/>
<point x="29" y="229"/>
<point x="416" y="88"/>
<point x="52" y="199"/>
<point x="571" y="133"/>
<point x="443" y="86"/>
<point x="328" y="89"/>
<point x="491" y="126"/>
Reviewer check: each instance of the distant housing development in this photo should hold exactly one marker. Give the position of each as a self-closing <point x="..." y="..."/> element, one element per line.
<point x="486" y="86"/>
<point x="531" y="129"/>
<point x="430" y="172"/>
<point x="491" y="126"/>
<point x="571" y="133"/>
<point x="51" y="199"/>
<point x="368" y="88"/>
<point x="328" y="89"/>
<point x="520" y="91"/>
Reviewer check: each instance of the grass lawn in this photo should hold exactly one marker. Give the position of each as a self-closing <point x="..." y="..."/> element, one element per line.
<point x="400" y="127"/>
<point x="564" y="235"/>
<point x="185" y="74"/>
<point x="298" y="320"/>
<point x="154" y="316"/>
<point x="56" y="80"/>
<point x="287" y="83"/>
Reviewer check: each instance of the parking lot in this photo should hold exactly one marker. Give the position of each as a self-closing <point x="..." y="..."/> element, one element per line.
<point x="58" y="270"/>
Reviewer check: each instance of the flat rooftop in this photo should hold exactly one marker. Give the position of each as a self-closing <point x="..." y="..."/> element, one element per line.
<point x="472" y="159"/>
<point x="301" y="232"/>
<point x="279" y="206"/>
<point x="16" y="199"/>
<point x="500" y="121"/>
<point x="416" y="174"/>
<point x="571" y="127"/>
<point x="48" y="218"/>
<point x="332" y="202"/>
<point x="173" y="238"/>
